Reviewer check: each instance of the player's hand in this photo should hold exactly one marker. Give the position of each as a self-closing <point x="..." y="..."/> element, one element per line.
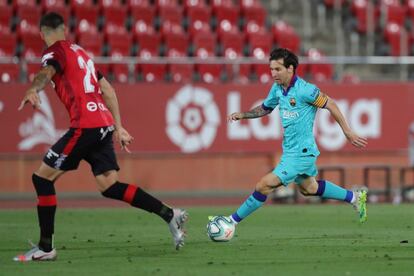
<point x="235" y="116"/>
<point x="123" y="138"/>
<point x="355" y="140"/>
<point x="31" y="97"/>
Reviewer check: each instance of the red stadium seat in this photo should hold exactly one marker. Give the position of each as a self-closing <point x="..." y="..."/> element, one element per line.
<point x="199" y="13"/>
<point x="180" y="72"/>
<point x="198" y="27"/>
<point x="141" y="10"/>
<point x="359" y="10"/>
<point x="302" y="70"/>
<point x="161" y="3"/>
<point x="148" y="44"/>
<point x="153" y="72"/>
<point x="46" y="4"/>
<point x="319" y="72"/>
<point x="9" y="72"/>
<point x="230" y="13"/>
<point x="27" y="3"/>
<point x="226" y="28"/>
<point x="26" y="28"/>
<point x="171" y="28"/>
<point x="33" y="46"/>
<point x="394" y="12"/>
<point x="120" y="72"/>
<point x="85" y="9"/>
<point x="169" y="13"/>
<point x="85" y="27"/>
<point x="232" y="45"/>
<point x="262" y="72"/>
<point x="209" y="72"/>
<point x="286" y="37"/>
<point x="91" y="42"/>
<point x="393" y="36"/>
<point x="260" y="45"/>
<point x="8" y="44"/>
<point x="119" y="41"/>
<point x="253" y="11"/>
<point x="103" y="68"/>
<point x="28" y="13"/>
<point x="176" y="42"/>
<point x="6" y="14"/>
<point x="204" y="44"/>
<point x="32" y="69"/>
<point x="113" y="11"/>
<point x="4" y="30"/>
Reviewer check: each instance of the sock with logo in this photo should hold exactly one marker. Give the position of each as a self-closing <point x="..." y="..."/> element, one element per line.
<point x="329" y="190"/>
<point x="251" y="204"/>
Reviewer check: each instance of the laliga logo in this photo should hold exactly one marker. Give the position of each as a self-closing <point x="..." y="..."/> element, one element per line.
<point x="40" y="129"/>
<point x="192" y="118"/>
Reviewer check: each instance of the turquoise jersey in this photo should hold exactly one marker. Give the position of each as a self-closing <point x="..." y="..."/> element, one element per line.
<point x="297" y="113"/>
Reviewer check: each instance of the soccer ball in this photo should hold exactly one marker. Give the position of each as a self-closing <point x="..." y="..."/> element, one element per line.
<point x="220" y="228"/>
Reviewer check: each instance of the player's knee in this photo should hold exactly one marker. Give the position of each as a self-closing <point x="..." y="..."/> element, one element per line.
<point x="264" y="186"/>
<point x="42" y="185"/>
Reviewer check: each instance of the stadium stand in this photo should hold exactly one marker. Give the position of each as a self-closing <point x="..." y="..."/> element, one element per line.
<point x="231" y="29"/>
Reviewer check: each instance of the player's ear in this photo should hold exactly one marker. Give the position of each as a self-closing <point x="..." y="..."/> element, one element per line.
<point x="291" y="69"/>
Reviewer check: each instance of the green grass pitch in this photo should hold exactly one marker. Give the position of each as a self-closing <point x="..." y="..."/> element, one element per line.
<point x="276" y="240"/>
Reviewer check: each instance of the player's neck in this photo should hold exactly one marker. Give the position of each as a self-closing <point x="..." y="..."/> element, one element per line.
<point x="53" y="39"/>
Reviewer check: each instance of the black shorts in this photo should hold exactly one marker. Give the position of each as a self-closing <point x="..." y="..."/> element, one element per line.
<point x="94" y="145"/>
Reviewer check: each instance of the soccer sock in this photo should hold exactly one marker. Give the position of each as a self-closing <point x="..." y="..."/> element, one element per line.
<point x="329" y="190"/>
<point x="137" y="197"/>
<point x="46" y="209"/>
<point x="252" y="203"/>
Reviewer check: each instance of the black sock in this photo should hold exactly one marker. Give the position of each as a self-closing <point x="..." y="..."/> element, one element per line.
<point x="139" y="198"/>
<point x="46" y="209"/>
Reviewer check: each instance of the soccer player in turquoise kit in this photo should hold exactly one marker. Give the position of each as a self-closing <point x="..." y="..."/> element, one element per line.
<point x="298" y="102"/>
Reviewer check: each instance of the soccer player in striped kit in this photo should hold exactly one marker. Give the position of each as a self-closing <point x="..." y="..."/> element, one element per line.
<point x="298" y="102"/>
<point x="94" y="118"/>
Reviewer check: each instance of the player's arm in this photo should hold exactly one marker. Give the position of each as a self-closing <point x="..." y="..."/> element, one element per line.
<point x="257" y="112"/>
<point x="41" y="79"/>
<point x="111" y="101"/>
<point x="352" y="137"/>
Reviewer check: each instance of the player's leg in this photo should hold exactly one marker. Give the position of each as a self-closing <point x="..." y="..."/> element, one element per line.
<point x="329" y="190"/>
<point x="110" y="187"/>
<point x="43" y="181"/>
<point x="104" y="167"/>
<point x="264" y="187"/>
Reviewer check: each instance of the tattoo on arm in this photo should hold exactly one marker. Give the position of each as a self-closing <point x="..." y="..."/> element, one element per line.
<point x="256" y="112"/>
<point x="43" y="77"/>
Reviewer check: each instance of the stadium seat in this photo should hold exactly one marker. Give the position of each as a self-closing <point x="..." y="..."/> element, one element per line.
<point x="260" y="44"/>
<point x="393" y="12"/>
<point x="103" y="68"/>
<point x="198" y="27"/>
<point x="32" y="45"/>
<point x="394" y="37"/>
<point x="6" y="14"/>
<point x="119" y="41"/>
<point x="85" y="9"/>
<point x="149" y="43"/>
<point x="169" y="13"/>
<point x="262" y="72"/>
<point x="153" y="72"/>
<point x="229" y="13"/>
<point x="28" y="3"/>
<point x="253" y="11"/>
<point x="46" y="4"/>
<point x="198" y="13"/>
<point x="9" y="72"/>
<point x="8" y="44"/>
<point x="226" y="28"/>
<point x="141" y="10"/>
<point x="161" y="3"/>
<point x="204" y="45"/>
<point x="232" y="45"/>
<point x="85" y="27"/>
<point x="114" y="12"/>
<point x="318" y="71"/>
<point x="359" y="10"/>
<point x="31" y="70"/>
<point x="176" y="42"/>
<point x="4" y="30"/>
<point x="91" y="42"/>
<point x="28" y="13"/>
<point x="181" y="72"/>
<point x="285" y="36"/>
<point x="120" y="72"/>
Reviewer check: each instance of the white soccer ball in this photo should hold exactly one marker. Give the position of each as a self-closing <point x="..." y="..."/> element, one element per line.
<point x="220" y="229"/>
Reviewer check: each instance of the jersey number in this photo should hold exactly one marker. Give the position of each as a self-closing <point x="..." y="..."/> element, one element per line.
<point x="89" y="69"/>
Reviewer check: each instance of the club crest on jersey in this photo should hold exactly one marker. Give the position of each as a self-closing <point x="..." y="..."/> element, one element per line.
<point x="292" y="102"/>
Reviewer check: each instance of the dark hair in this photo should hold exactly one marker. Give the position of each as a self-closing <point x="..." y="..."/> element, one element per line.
<point x="51" y="20"/>
<point x="288" y="57"/>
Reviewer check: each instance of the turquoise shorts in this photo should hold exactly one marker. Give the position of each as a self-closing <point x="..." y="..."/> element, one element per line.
<point x="295" y="169"/>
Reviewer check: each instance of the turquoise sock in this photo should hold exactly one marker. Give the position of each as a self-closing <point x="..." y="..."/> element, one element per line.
<point x="329" y="190"/>
<point x="252" y="203"/>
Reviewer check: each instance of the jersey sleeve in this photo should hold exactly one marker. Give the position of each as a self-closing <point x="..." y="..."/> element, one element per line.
<point x="312" y="95"/>
<point x="54" y="56"/>
<point x="272" y="99"/>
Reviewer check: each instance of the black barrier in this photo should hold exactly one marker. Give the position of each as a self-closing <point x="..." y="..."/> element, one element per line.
<point x="383" y="168"/>
<point x="404" y="186"/>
